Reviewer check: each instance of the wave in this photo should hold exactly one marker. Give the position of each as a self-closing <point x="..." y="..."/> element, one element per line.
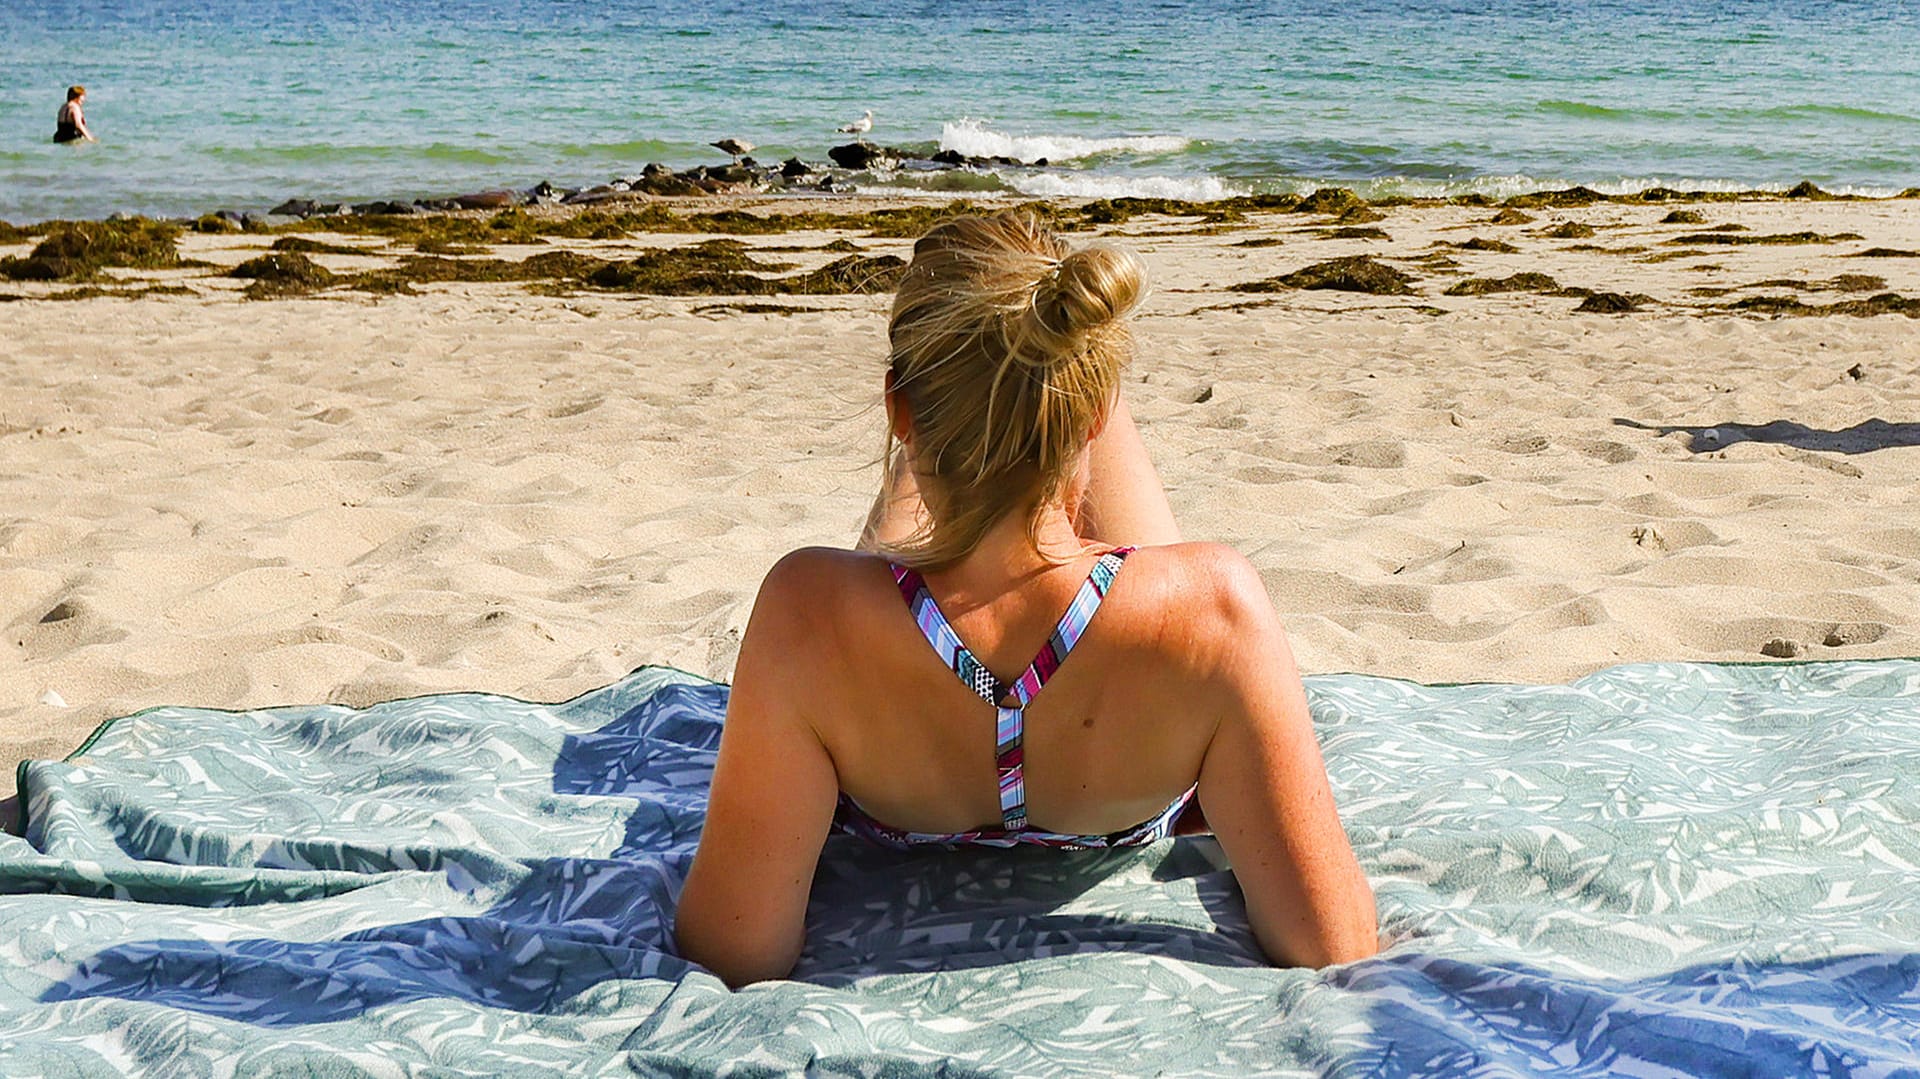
<point x="1077" y="184"/>
<point x="1602" y="112"/>
<point x="1080" y="185"/>
<point x="975" y="139"/>
<point x="1842" y="112"/>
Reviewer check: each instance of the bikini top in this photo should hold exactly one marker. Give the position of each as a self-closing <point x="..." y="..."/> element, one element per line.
<point x="1011" y="728"/>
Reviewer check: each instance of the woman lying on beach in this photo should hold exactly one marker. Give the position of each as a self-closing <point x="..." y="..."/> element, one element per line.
<point x="887" y="691"/>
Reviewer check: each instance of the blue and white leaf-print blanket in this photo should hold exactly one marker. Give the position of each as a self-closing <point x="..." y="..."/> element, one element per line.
<point x="1660" y="869"/>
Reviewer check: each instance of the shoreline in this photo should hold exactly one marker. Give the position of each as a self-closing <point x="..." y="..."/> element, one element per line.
<point x="526" y="458"/>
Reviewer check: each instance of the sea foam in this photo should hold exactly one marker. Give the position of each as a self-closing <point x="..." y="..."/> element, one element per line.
<point x="975" y="139"/>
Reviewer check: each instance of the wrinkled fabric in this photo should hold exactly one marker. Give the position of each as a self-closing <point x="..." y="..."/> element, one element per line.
<point x="1658" y="869"/>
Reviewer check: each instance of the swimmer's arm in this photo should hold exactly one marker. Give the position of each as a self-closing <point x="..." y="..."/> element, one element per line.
<point x="742" y="913"/>
<point x="1265" y="790"/>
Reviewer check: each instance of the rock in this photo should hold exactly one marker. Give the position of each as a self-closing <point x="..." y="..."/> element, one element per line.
<point x="949" y="157"/>
<point x="1805" y="189"/>
<point x="384" y="208"/>
<point x="486" y="200"/>
<point x="653" y="169"/>
<point x="544" y="191"/>
<point x="793" y="167"/>
<point x="438" y="205"/>
<point x="748" y="163"/>
<point x="859" y="155"/>
<point x="1857" y="373"/>
<point x="215" y="223"/>
<point x="1782" y="648"/>
<point x="594" y="194"/>
<point x="296" y="208"/>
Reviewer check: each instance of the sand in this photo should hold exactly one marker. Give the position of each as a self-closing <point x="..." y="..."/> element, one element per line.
<point x="217" y="502"/>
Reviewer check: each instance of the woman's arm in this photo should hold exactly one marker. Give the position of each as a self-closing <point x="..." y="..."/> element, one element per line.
<point x="1264" y="788"/>
<point x="742" y="913"/>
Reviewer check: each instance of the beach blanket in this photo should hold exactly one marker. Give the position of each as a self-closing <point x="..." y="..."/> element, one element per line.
<point x="1658" y="869"/>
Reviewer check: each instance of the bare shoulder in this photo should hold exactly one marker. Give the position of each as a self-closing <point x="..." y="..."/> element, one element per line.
<point x="1205" y="579"/>
<point x="809" y="590"/>
<point x="1210" y="613"/>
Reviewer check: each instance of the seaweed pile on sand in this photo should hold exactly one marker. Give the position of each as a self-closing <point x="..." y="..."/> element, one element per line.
<point x="79" y="250"/>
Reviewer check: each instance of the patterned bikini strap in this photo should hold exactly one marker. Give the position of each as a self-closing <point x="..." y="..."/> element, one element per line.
<point x="1010" y="722"/>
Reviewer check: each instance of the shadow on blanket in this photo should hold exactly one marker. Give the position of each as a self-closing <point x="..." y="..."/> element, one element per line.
<point x="1658" y="869"/>
<point x="572" y="922"/>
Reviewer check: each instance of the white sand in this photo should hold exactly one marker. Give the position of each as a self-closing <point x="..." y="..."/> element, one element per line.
<point x="215" y="502"/>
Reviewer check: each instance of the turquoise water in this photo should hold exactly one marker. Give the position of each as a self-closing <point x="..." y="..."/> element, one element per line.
<point x="205" y="105"/>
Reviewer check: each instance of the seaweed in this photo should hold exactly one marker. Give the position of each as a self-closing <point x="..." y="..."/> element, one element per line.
<point x="1846" y="282"/>
<point x="1764" y="238"/>
<point x="1261" y="241"/>
<point x="1520" y="282"/>
<point x="424" y="269"/>
<point x="844" y="246"/>
<point x="1510" y="216"/>
<point x="79" y="250"/>
<point x="215" y="223"/>
<point x="1887" y="253"/>
<point x="1684" y="217"/>
<point x="1355" y="273"/>
<point x="88" y="292"/>
<point x="281" y="273"/>
<point x="1612" y="303"/>
<point x="854" y="273"/>
<point x="1886" y="303"/>
<point x="1479" y="244"/>
<point x="713" y="268"/>
<point x="304" y="246"/>
<point x="14" y="234"/>
<point x="1356" y="232"/>
<point x="1359" y="215"/>
<point x="1806" y="189"/>
<point x="1569" y="197"/>
<point x="1571" y="230"/>
<point x="1329" y="200"/>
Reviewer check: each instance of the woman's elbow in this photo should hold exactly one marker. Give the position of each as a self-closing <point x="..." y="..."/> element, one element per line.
<point x="731" y="954"/>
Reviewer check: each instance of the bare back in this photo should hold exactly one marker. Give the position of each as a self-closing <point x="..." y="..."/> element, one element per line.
<point x="1108" y="741"/>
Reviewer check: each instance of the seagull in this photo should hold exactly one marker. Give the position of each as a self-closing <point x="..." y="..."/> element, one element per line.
<point x="858" y="128"/>
<point x="737" y="147"/>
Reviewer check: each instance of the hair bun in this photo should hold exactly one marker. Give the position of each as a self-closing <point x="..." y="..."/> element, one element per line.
<point x="1088" y="289"/>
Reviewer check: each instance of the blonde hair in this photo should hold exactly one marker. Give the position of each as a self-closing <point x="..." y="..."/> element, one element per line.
<point x="1007" y="349"/>
<point x="76" y="91"/>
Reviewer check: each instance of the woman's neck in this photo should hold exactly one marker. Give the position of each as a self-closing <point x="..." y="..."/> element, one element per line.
<point x="1010" y="553"/>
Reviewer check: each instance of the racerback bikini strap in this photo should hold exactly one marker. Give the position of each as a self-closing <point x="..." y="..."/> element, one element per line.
<point x="1010" y="725"/>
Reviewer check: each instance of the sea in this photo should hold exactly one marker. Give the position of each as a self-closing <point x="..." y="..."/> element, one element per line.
<point x="204" y="105"/>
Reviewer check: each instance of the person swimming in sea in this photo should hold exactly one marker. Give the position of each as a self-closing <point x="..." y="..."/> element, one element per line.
<point x="71" y="124"/>
<point x="925" y="688"/>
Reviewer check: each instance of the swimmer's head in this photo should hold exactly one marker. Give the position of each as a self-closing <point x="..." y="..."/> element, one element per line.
<point x="75" y="93"/>
<point x="1007" y="351"/>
